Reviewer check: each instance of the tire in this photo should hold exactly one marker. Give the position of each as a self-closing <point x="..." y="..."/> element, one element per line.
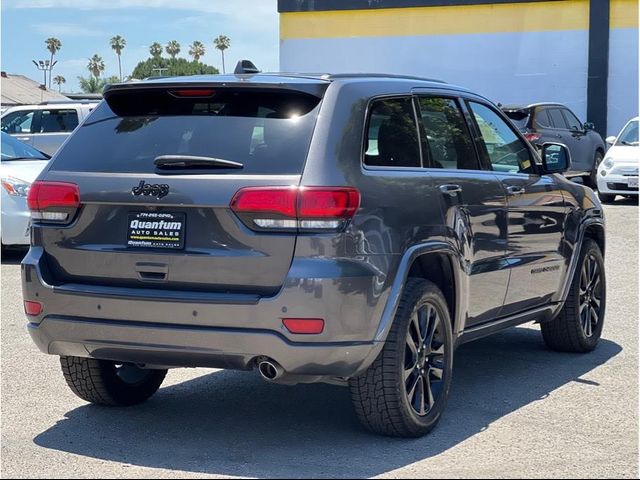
<point x="592" y="180"/>
<point x="606" y="197"/>
<point x="576" y="329"/>
<point x="384" y="400"/>
<point x="107" y="383"/>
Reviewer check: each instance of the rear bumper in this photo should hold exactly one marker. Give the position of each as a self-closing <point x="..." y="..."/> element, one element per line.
<point x="178" y="346"/>
<point x="214" y="332"/>
<point x="16" y="221"/>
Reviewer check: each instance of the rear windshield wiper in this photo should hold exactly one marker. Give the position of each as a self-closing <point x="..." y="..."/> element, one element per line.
<point x="190" y="161"/>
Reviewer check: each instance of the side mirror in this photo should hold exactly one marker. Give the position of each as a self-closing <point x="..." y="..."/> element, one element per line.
<point x="556" y="158"/>
<point x="589" y="126"/>
<point x="611" y="140"/>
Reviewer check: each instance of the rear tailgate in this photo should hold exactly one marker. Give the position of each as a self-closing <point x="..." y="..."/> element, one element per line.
<point x="140" y="225"/>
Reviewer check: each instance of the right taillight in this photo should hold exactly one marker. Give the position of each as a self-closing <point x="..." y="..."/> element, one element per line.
<point x="55" y="202"/>
<point x="532" y="137"/>
<point x="296" y="208"/>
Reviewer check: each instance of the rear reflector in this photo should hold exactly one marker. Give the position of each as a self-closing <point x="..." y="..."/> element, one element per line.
<point x="290" y="208"/>
<point x="53" y="201"/>
<point x="304" y="326"/>
<point x="32" y="308"/>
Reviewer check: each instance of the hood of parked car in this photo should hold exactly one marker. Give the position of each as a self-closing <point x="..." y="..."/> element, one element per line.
<point x="26" y="170"/>
<point x="624" y="154"/>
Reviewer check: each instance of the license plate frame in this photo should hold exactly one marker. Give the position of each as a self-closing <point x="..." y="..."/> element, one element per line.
<point x="156" y="230"/>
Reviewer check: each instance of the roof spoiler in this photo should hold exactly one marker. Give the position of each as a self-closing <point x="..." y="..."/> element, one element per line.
<point x="245" y="67"/>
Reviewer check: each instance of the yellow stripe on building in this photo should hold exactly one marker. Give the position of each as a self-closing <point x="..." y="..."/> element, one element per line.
<point x="510" y="17"/>
<point x="623" y="14"/>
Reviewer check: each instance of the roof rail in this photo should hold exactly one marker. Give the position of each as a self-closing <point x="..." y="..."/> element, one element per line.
<point x="62" y="102"/>
<point x="382" y="75"/>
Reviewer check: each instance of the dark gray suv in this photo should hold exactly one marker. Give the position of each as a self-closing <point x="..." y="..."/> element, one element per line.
<point x="352" y="229"/>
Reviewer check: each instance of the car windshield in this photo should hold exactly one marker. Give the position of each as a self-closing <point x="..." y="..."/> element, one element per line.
<point x="629" y="135"/>
<point x="13" y="149"/>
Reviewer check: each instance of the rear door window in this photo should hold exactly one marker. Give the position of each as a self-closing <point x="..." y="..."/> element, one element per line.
<point x="542" y="118"/>
<point x="392" y="134"/>
<point x="58" y="121"/>
<point x="557" y="119"/>
<point x="446" y="135"/>
<point x="268" y="132"/>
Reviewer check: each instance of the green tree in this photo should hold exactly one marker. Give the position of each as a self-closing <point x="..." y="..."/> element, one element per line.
<point x="92" y="84"/>
<point x="196" y="50"/>
<point x="53" y="45"/>
<point x="117" y="44"/>
<point x="222" y="43"/>
<point x="96" y="65"/>
<point x="155" y="50"/>
<point x="175" y="67"/>
<point x="173" y="48"/>
<point x="59" y="80"/>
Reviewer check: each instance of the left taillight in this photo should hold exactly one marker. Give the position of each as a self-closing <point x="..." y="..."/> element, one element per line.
<point x="306" y="209"/>
<point x="53" y="202"/>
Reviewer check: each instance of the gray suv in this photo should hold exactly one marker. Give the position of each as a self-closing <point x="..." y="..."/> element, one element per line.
<point x="352" y="229"/>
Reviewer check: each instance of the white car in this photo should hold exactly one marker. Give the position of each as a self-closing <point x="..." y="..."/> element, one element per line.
<point x="618" y="173"/>
<point x="19" y="167"/>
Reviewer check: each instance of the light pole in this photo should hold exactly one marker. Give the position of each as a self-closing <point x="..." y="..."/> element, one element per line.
<point x="44" y="66"/>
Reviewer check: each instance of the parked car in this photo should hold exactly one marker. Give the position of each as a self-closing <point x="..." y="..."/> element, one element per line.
<point x="352" y="229"/>
<point x="45" y="127"/>
<point x="20" y="165"/>
<point x="554" y="122"/>
<point x="618" y="174"/>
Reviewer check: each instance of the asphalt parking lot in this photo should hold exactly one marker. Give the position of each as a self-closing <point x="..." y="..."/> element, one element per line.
<point x="516" y="409"/>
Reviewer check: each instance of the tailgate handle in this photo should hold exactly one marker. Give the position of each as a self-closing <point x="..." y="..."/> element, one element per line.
<point x="152" y="272"/>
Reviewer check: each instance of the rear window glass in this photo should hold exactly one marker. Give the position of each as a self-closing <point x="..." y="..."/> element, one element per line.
<point x="268" y="132"/>
<point x="519" y="118"/>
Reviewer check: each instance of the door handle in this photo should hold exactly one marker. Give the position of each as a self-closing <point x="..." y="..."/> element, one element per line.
<point x="515" y="190"/>
<point x="451" y="190"/>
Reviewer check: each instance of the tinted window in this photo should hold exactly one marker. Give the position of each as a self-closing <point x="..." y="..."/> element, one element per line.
<point x="572" y="120"/>
<point x="557" y="119"/>
<point x="542" y="118"/>
<point x="519" y="118"/>
<point x="268" y="132"/>
<point x="503" y="147"/>
<point x="392" y="134"/>
<point x="447" y="138"/>
<point x="18" y="122"/>
<point x="54" y="121"/>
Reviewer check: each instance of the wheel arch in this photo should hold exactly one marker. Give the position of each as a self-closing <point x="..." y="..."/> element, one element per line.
<point x="438" y="262"/>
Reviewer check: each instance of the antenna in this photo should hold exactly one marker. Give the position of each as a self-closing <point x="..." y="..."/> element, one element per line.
<point x="245" y="67"/>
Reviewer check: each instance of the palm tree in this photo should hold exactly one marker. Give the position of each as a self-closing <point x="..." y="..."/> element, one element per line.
<point x="173" y="48"/>
<point x="196" y="50"/>
<point x="96" y="65"/>
<point x="117" y="44"/>
<point x="92" y="84"/>
<point x="59" y="80"/>
<point x="222" y="43"/>
<point x="155" y="50"/>
<point x="53" y="45"/>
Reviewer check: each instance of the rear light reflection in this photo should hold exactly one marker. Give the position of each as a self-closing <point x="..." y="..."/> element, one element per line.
<point x="532" y="137"/>
<point x="32" y="308"/>
<point x="304" y="326"/>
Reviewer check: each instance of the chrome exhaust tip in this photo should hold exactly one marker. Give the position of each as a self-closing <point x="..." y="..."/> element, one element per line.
<point x="270" y="370"/>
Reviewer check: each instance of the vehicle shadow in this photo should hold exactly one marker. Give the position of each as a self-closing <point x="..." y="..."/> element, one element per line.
<point x="232" y="423"/>
<point x="13" y="256"/>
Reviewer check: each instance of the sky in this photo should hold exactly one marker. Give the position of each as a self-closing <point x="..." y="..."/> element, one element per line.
<point x="252" y="26"/>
